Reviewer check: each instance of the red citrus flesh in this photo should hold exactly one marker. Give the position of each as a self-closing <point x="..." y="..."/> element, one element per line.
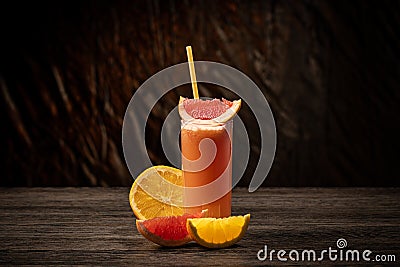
<point x="206" y="109"/>
<point x="167" y="231"/>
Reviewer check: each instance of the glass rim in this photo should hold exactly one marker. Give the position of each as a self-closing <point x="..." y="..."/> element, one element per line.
<point x="209" y="123"/>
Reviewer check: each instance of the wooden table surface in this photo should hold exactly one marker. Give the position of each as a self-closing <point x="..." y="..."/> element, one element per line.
<point x="95" y="226"/>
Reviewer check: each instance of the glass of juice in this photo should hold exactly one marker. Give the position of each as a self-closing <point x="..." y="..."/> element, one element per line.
<point x="206" y="147"/>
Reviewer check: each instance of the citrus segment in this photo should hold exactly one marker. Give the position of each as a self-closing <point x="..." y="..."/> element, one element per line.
<point x="167" y="231"/>
<point x="157" y="192"/>
<point x="217" y="110"/>
<point x="218" y="233"/>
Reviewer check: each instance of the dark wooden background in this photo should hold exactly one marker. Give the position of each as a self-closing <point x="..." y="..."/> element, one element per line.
<point x="329" y="69"/>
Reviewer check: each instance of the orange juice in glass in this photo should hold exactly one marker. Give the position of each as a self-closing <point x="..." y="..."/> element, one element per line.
<point x="206" y="145"/>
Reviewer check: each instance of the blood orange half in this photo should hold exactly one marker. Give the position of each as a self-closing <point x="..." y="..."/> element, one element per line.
<point x="167" y="231"/>
<point x="218" y="110"/>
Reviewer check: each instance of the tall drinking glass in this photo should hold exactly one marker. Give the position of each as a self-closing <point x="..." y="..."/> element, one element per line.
<point x="207" y="166"/>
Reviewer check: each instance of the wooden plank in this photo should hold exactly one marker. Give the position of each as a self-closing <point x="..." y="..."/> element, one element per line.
<point x="96" y="226"/>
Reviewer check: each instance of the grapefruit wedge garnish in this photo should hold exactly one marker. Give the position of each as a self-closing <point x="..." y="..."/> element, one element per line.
<point x="169" y="231"/>
<point x="217" y="110"/>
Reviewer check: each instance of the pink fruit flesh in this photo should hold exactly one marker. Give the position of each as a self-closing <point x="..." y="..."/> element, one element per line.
<point x="169" y="228"/>
<point x="206" y="109"/>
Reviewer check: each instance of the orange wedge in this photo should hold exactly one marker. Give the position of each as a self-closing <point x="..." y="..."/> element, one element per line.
<point x="218" y="233"/>
<point x="157" y="192"/>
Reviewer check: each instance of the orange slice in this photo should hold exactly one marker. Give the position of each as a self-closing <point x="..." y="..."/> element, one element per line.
<point x="217" y="110"/>
<point x="157" y="192"/>
<point x="218" y="233"/>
